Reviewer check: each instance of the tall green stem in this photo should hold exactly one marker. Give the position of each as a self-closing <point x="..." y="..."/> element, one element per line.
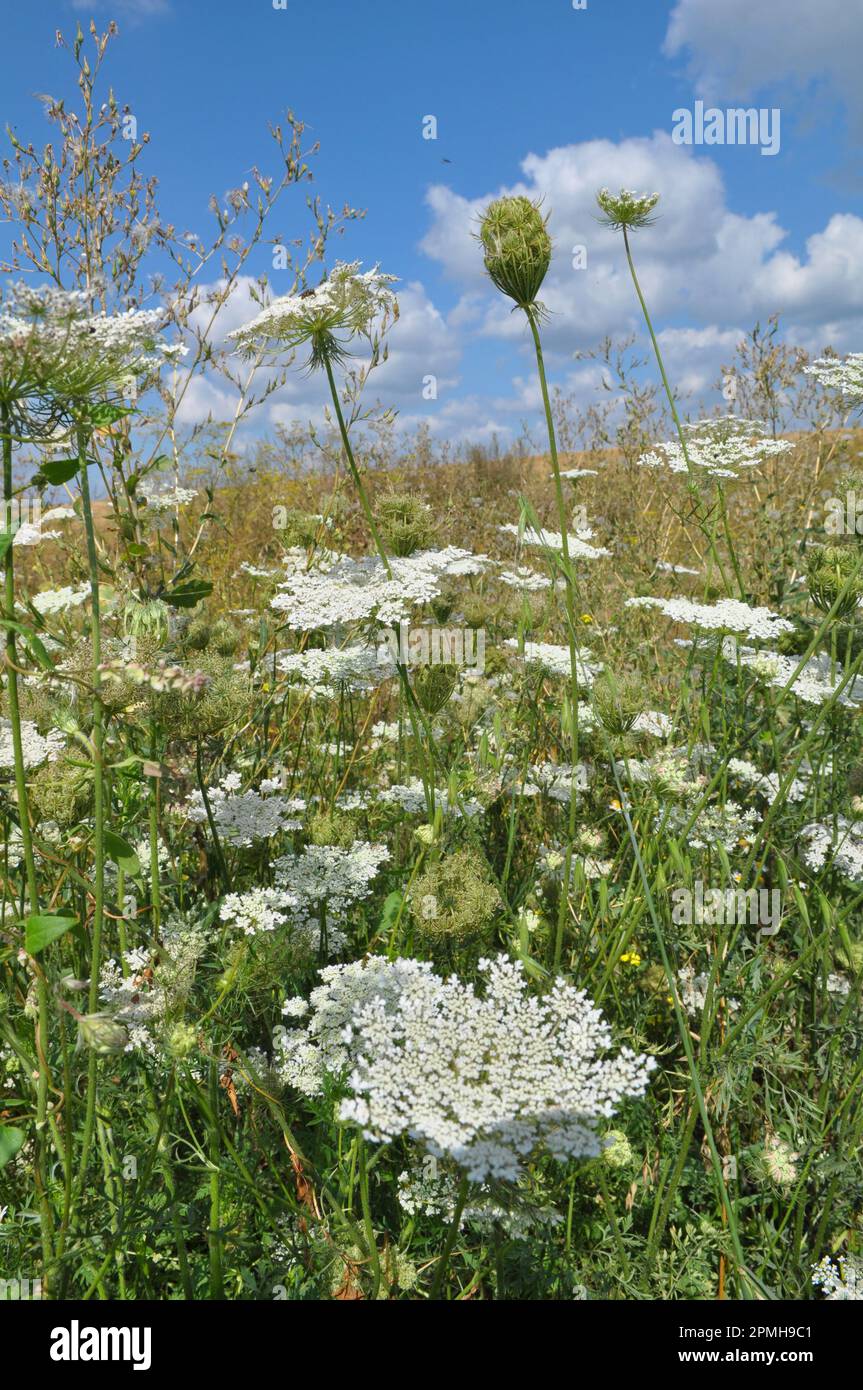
<point x="371" y="1239"/>
<point x="410" y="698"/>
<point x="217" y="1290"/>
<point x="98" y="741"/>
<point x="355" y="472"/>
<point x="153" y="823"/>
<point x="672" y="406"/>
<point x="42" y="1157"/>
<point x="569" y="582"/>
<point x="451" y="1238"/>
<point x="217" y="844"/>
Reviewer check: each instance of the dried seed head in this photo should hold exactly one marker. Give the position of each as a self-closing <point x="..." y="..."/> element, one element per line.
<point x="454" y="898"/>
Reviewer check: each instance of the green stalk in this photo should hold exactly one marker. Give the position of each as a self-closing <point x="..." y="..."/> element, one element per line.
<point x="202" y="788"/>
<point x="215" y="1235"/>
<point x="98" y="741"/>
<point x="355" y="472"/>
<point x="531" y="315"/>
<point x="451" y="1238"/>
<point x="410" y="698"/>
<point x="693" y="486"/>
<point x="658" y="355"/>
<point x="683" y="1029"/>
<point x="153" y="822"/>
<point x="42" y="1156"/>
<point x="371" y="1239"/>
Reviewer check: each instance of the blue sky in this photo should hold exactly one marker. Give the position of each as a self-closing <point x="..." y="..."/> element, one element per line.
<point x="537" y="97"/>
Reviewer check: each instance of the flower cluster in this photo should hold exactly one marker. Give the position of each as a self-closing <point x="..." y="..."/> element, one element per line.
<point x="434" y="1060"/>
<point x="241" y="818"/>
<point x="327" y="875"/>
<point x="51" y="601"/>
<point x="626" y="208"/>
<point x="840" y="1280"/>
<point x="577" y="543"/>
<point x="838" y="844"/>
<point x="160" y="500"/>
<point x="555" y="780"/>
<point x="813" y="682"/>
<point x="353" y="591"/>
<point x="728" y="825"/>
<point x="838" y="375"/>
<point x="344" y="305"/>
<point x="556" y="660"/>
<point x="51" y="342"/>
<point x="411" y="798"/>
<point x="325" y="672"/>
<point x="144" y="993"/>
<point x="716" y="447"/>
<point x="729" y="615"/>
<point x="257" y="910"/>
<point x="36" y="748"/>
<point x="692" y="990"/>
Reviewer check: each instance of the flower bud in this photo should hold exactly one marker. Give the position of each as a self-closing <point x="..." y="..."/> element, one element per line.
<point x="835" y="573"/>
<point x="102" y="1033"/>
<point x="433" y="686"/>
<point x="617" y="1150"/>
<point x="183" y="1040"/>
<point x="517" y="248"/>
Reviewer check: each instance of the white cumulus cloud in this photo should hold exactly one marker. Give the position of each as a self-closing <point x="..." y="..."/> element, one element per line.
<point x="736" y="48"/>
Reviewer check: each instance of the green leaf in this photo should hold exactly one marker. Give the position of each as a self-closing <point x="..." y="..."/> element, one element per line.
<point x="41" y="930"/>
<point x="109" y="412"/>
<point x="31" y="641"/>
<point x="37" y="649"/>
<point x="58" y="471"/>
<point x="11" y="1140"/>
<point x="188" y="594"/>
<point x="392" y="907"/>
<point x="6" y="539"/>
<point x="122" y="853"/>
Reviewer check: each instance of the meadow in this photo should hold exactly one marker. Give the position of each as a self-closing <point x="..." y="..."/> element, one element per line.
<point x="428" y="873"/>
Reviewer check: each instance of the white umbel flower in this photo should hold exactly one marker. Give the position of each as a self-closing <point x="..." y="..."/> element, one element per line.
<point x="577" y="541"/>
<point x="556" y="659"/>
<point x="838" y="375"/>
<point x="484" y="1079"/>
<point x="52" y="343"/>
<point x="729" y="614"/>
<point x="716" y="447"/>
<point x="344" y="305"/>
<point x="36" y="749"/>
<point x="840" y="1280"/>
<point x="353" y="591"/>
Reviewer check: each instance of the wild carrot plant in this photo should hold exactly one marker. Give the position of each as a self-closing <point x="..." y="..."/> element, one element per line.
<point x="423" y="877"/>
